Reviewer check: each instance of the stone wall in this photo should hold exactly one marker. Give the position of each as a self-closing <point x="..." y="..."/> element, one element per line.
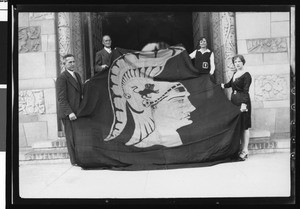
<point x="37" y="74"/>
<point x="263" y="38"/>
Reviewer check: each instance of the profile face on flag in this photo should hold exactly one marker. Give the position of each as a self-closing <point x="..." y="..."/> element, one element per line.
<point x="158" y="108"/>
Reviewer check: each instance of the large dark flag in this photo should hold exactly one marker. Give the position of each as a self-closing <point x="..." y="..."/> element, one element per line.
<point x="153" y="110"/>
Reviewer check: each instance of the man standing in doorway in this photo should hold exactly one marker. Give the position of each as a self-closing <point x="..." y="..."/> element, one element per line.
<point x="69" y="95"/>
<point x="103" y="57"/>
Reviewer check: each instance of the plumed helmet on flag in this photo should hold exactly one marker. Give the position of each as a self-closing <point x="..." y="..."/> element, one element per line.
<point x="131" y="85"/>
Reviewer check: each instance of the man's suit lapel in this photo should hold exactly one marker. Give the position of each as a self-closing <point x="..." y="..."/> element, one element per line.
<point x="78" y="81"/>
<point x="72" y="81"/>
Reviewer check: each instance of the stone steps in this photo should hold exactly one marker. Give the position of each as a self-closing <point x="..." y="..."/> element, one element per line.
<point x="47" y="154"/>
<point x="56" y="151"/>
<point x="45" y="151"/>
<point x="261" y="141"/>
<point x="268" y="146"/>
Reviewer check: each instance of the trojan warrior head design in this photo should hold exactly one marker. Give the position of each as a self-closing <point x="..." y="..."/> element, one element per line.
<point x="132" y="85"/>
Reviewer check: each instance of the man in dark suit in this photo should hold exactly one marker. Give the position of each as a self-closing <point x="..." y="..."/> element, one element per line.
<point x="103" y="57"/>
<point x="69" y="95"/>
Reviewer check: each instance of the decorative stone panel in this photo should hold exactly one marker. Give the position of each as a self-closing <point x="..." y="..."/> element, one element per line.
<point x="31" y="102"/>
<point x="267" y="45"/>
<point x="77" y="42"/>
<point x="30" y="39"/>
<point x="229" y="40"/>
<point x="271" y="87"/>
<point x="64" y="35"/>
<point x="70" y="38"/>
<point x="217" y="45"/>
<point x="41" y="15"/>
<point x="222" y="28"/>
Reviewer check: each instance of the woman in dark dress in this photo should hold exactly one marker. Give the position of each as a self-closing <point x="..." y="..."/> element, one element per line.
<point x="240" y="83"/>
<point x="204" y="59"/>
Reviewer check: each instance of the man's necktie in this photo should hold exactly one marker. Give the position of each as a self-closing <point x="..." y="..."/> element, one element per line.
<point x="74" y="76"/>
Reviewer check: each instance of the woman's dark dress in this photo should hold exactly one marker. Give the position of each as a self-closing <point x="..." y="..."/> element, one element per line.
<point x="240" y="94"/>
<point x="202" y="63"/>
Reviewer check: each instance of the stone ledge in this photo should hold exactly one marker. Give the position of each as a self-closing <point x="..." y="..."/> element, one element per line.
<point x="53" y="161"/>
<point x="256" y="134"/>
<point x="47" y="154"/>
<point x="265" y="151"/>
<point x="61" y="142"/>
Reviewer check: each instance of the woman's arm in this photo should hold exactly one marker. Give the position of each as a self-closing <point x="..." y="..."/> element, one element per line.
<point x="212" y="63"/>
<point x="228" y="85"/>
<point x="193" y="54"/>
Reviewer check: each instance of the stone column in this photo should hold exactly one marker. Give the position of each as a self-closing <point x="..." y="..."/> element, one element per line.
<point x="77" y="42"/>
<point x="223" y="44"/>
<point x="63" y="36"/>
<point x="70" y="38"/>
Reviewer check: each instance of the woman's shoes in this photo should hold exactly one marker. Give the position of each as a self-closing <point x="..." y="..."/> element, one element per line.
<point x="243" y="156"/>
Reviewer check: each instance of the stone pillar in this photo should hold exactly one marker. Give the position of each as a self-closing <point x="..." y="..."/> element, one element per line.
<point x="63" y="36"/>
<point x="70" y="38"/>
<point x="77" y="43"/>
<point x="223" y="44"/>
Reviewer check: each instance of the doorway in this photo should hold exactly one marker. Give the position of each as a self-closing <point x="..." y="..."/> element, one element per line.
<point x="133" y="30"/>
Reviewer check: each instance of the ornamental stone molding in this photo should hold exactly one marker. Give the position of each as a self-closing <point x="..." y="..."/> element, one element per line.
<point x="222" y="30"/>
<point x="77" y="42"/>
<point x="29" y="39"/>
<point x="70" y="38"/>
<point x="41" y="16"/>
<point x="64" y="36"/>
<point x="267" y="45"/>
<point x="217" y="47"/>
<point x="31" y="102"/>
<point x="229" y="41"/>
<point x="271" y="87"/>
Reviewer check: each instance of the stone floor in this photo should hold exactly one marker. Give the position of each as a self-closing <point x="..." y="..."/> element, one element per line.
<point x="262" y="175"/>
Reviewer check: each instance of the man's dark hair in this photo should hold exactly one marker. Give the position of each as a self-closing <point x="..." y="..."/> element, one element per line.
<point x="68" y="55"/>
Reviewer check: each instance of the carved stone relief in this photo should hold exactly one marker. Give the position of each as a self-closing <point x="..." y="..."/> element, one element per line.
<point x="267" y="45"/>
<point x="222" y="28"/>
<point x="70" y="38"/>
<point x="29" y="39"/>
<point x="31" y="102"/>
<point x="64" y="35"/>
<point x="228" y="31"/>
<point x="76" y="41"/>
<point x="41" y="15"/>
<point x="217" y="45"/>
<point x="271" y="87"/>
